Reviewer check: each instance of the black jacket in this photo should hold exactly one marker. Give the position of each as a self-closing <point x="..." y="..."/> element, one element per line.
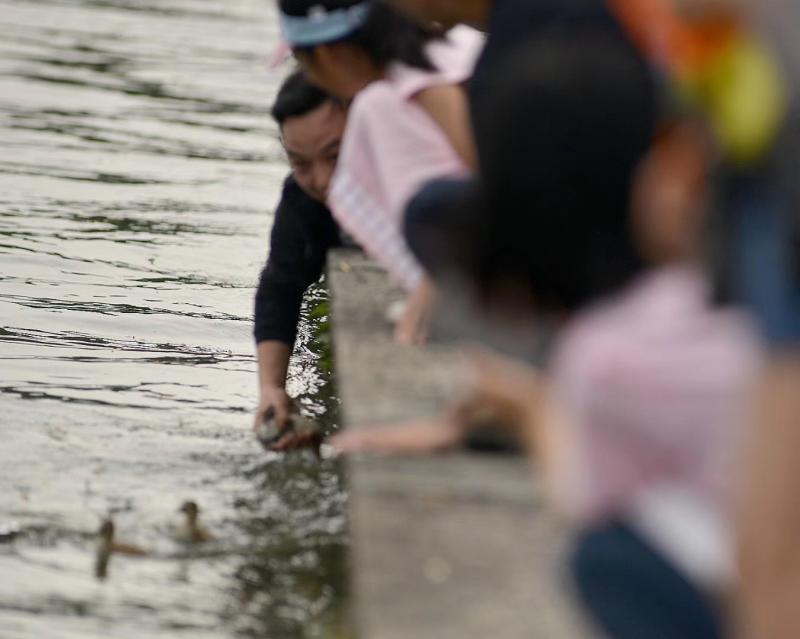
<point x="302" y="233"/>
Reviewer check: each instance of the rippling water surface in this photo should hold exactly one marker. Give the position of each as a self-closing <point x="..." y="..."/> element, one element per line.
<point x="138" y="171"/>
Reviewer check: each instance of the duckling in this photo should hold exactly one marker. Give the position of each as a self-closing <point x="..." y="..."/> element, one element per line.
<point x="106" y="546"/>
<point x="191" y="531"/>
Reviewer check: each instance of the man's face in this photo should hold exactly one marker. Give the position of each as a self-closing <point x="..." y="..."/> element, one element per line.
<point x="312" y="145"/>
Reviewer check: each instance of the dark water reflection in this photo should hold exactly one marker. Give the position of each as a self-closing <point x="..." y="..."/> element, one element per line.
<point x="137" y="169"/>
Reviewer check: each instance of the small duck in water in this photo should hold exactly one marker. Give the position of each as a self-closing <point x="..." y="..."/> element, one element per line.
<point x="191" y="531"/>
<point x="106" y="546"/>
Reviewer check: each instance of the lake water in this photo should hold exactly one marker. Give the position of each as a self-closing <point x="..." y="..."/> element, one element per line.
<point x="138" y="172"/>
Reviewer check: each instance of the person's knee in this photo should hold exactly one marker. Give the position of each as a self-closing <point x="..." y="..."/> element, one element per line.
<point x="632" y="591"/>
<point x="431" y="223"/>
<point x="591" y="562"/>
<point x="417" y="212"/>
<point x="429" y="208"/>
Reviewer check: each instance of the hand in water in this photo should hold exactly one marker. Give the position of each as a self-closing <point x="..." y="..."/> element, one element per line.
<point x="276" y="398"/>
<point x="276" y="427"/>
<point x="310" y="438"/>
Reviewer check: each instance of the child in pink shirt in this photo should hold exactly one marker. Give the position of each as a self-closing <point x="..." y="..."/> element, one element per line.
<point x="393" y="146"/>
<point x="653" y="385"/>
<point x="408" y="122"/>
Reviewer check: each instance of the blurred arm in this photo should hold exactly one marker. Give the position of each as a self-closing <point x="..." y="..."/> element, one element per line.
<point x="769" y="518"/>
<point x="449" y="108"/>
<point x="302" y="233"/>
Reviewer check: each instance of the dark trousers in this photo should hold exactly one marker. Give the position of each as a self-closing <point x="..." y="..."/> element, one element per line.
<point x="632" y="592"/>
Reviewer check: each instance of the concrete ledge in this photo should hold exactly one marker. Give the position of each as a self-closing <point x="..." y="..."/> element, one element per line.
<point x="455" y="546"/>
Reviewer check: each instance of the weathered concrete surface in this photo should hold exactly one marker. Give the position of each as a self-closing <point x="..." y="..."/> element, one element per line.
<point x="456" y="546"/>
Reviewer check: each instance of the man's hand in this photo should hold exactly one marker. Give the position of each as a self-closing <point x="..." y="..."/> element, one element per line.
<point x="274" y="397"/>
<point x="275" y="400"/>
<point x="297" y="440"/>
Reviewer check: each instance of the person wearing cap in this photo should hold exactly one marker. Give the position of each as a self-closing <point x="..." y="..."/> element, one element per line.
<point x="311" y="125"/>
<point x="408" y="121"/>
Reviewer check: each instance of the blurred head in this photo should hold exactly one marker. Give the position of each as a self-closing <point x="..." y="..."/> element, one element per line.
<point x="190" y="508"/>
<point x="312" y="125"/>
<point x="671" y="193"/>
<point x="447" y="13"/>
<point x="106" y="530"/>
<point x="578" y="113"/>
<point x="344" y="45"/>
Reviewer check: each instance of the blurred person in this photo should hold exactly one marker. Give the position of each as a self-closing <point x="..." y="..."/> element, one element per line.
<point x="764" y="273"/>
<point x="722" y="68"/>
<point x="507" y="24"/>
<point x="737" y="63"/>
<point x="311" y="126"/>
<point x="637" y="416"/>
<point x="408" y="120"/>
<point x="433" y="225"/>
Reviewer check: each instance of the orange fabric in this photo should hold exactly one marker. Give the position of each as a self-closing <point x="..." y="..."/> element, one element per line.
<point x="675" y="43"/>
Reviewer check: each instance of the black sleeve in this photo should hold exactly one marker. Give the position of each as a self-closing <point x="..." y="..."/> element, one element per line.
<point x="302" y="233"/>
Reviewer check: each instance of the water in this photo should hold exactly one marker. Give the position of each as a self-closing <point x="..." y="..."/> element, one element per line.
<point x="138" y="169"/>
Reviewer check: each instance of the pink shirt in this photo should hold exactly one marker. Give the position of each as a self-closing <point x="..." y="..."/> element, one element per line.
<point x="392" y="147"/>
<point x="654" y="384"/>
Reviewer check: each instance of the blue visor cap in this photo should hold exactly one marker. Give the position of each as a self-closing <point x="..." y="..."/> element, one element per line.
<point x="321" y="26"/>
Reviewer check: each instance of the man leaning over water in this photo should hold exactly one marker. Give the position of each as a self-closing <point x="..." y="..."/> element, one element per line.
<point x="311" y="126"/>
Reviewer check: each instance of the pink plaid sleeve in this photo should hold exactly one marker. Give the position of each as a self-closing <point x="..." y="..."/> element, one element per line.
<point x="391" y="149"/>
<point x="377" y="233"/>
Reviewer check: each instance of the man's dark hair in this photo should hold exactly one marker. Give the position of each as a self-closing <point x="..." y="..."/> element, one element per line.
<point x="296" y="98"/>
<point x="386" y="37"/>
